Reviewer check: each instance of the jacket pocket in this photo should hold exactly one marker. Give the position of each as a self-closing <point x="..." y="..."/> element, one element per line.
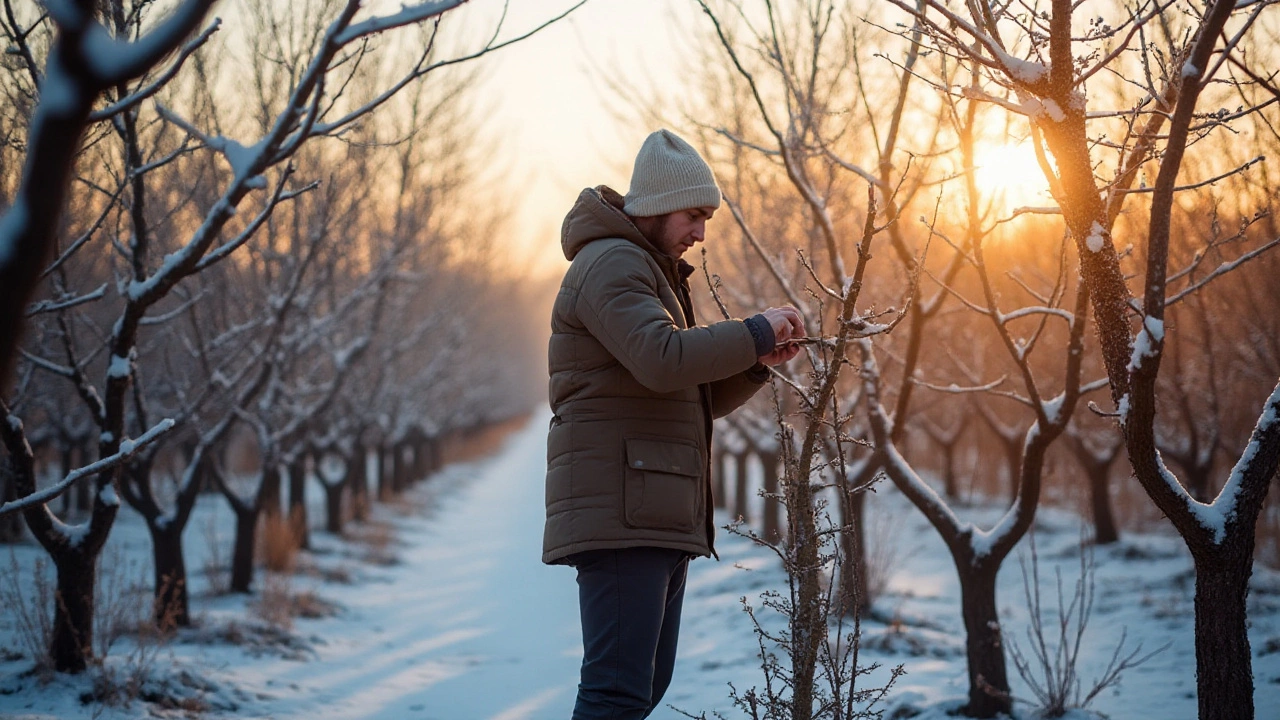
<point x="662" y="485"/>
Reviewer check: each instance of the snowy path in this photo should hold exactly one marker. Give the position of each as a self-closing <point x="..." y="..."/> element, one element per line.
<point x="475" y="625"/>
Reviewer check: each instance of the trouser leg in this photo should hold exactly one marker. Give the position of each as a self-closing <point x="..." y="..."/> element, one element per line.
<point x="630" y="604"/>
<point x="665" y="657"/>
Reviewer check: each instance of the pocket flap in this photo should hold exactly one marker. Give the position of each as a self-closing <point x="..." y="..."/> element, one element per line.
<point x="667" y="457"/>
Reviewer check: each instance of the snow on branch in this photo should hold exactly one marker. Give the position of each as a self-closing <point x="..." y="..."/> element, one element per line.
<point x="1221" y="270"/>
<point x="45" y="306"/>
<point x="156" y="85"/>
<point x="955" y="389"/>
<point x="1262" y="441"/>
<point x="128" y="448"/>
<point x="1147" y="344"/>
<point x="408" y="15"/>
<point x="1066" y="315"/>
<point x="111" y="61"/>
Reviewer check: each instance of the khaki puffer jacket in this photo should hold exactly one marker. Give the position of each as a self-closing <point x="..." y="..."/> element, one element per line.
<point x="634" y="387"/>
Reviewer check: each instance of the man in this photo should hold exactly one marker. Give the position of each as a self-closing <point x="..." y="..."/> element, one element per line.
<point x="635" y="384"/>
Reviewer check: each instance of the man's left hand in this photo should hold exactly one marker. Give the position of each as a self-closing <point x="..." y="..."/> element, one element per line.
<point x="782" y="353"/>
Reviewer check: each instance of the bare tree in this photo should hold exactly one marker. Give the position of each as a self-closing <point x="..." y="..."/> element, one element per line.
<point x="193" y="235"/>
<point x="1040" y="77"/>
<point x="77" y="71"/>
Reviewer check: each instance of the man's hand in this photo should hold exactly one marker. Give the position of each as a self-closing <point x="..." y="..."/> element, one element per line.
<point x="781" y="354"/>
<point x="786" y="323"/>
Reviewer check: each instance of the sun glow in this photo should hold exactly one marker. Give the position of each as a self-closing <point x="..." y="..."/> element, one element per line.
<point x="1011" y="176"/>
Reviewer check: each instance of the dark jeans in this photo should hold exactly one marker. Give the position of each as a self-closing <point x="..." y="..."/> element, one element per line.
<point x="630" y="602"/>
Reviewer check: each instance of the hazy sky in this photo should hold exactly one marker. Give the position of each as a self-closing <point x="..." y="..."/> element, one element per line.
<point x="557" y="134"/>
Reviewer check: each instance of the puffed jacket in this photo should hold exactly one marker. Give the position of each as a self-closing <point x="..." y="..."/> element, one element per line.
<point x="635" y="384"/>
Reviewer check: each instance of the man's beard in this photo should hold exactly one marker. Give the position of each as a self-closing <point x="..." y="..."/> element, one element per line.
<point x="655" y="232"/>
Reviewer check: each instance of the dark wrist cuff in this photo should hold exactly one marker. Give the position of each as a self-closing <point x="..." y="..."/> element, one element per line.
<point x="762" y="333"/>
<point x="758" y="374"/>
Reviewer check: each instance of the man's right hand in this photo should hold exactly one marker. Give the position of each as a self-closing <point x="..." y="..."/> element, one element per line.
<point x="786" y="323"/>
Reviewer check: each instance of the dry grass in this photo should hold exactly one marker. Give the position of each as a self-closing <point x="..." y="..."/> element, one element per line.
<point x="274" y="604"/>
<point x="28" y="602"/>
<point x="482" y="442"/>
<point x="277" y="604"/>
<point x="378" y="541"/>
<point x="277" y="544"/>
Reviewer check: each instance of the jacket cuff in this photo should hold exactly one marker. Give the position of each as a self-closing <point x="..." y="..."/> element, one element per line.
<point x="761" y="333"/>
<point x="758" y="374"/>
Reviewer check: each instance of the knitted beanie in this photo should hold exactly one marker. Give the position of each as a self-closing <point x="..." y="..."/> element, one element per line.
<point x="669" y="175"/>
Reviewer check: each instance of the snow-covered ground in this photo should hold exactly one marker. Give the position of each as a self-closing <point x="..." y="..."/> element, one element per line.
<point x="467" y="624"/>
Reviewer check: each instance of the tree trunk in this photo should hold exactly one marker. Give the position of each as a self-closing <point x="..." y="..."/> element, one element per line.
<point x="855" y="595"/>
<point x="435" y="447"/>
<point x="1013" y="460"/>
<point x="298" y="502"/>
<point x="949" y="485"/>
<point x="399" y="469"/>
<point x="988" y="673"/>
<point x="72" y="642"/>
<point x="242" y="554"/>
<point x="382" y="473"/>
<point x="740" y="509"/>
<point x="171" y="608"/>
<point x="807" y="622"/>
<point x="269" y="494"/>
<point x="333" y="505"/>
<point x="11" y="524"/>
<point x="358" y="478"/>
<point x="772" y="504"/>
<point x="1104" y="524"/>
<point x="1224" y="679"/>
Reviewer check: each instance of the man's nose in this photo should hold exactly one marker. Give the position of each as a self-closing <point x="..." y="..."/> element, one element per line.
<point x="699" y="231"/>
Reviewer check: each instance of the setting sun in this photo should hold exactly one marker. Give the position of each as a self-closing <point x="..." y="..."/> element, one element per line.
<point x="1011" y="175"/>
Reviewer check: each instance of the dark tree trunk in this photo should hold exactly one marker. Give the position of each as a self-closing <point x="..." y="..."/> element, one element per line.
<point x="855" y="595"/>
<point x="434" y="454"/>
<point x="171" y="606"/>
<point x="11" y="524"/>
<point x="399" y="468"/>
<point x="984" y="645"/>
<point x="242" y="552"/>
<point x="333" y="505"/>
<point x="740" y="510"/>
<point x="265" y="502"/>
<point x="1104" y="524"/>
<point x="72" y="642"/>
<point x="358" y="479"/>
<point x="383" y="473"/>
<point x="418" y="466"/>
<point x="269" y="494"/>
<point x="298" y="524"/>
<point x="949" y="485"/>
<point x="1222" y="637"/>
<point x="1013" y="466"/>
<point x="772" y="525"/>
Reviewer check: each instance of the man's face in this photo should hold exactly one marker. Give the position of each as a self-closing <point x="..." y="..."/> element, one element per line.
<point x="676" y="232"/>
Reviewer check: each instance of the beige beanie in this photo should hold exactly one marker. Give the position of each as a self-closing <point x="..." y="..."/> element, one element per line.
<point x="669" y="175"/>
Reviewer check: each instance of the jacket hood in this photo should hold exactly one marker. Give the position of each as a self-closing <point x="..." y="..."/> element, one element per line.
<point x="595" y="215"/>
